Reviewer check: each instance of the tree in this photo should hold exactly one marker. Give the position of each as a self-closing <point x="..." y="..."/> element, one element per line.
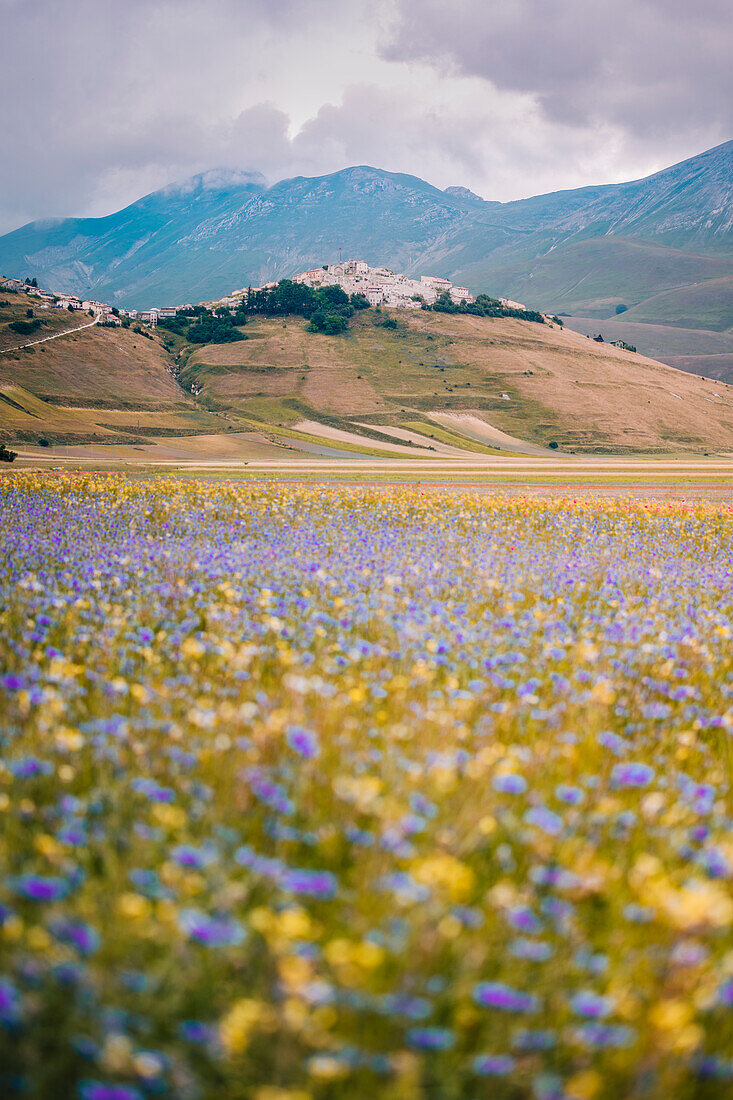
<point x="330" y="324"/>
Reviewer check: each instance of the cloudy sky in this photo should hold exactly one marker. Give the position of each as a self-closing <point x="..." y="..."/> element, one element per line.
<point x="106" y="100"/>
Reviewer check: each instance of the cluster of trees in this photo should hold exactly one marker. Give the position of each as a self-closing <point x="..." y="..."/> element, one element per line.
<point x="484" y="306"/>
<point x="327" y="309"/>
<point x="7" y="455"/>
<point x="204" y="326"/>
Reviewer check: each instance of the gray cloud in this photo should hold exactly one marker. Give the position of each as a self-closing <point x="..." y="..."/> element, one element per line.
<point x="113" y="100"/>
<point x="654" y="68"/>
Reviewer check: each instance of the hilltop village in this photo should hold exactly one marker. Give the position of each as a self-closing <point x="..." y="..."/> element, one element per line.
<point x="381" y="286"/>
<point x="378" y="285"/>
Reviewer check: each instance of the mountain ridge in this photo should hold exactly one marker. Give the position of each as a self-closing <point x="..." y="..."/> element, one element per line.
<point x="583" y="252"/>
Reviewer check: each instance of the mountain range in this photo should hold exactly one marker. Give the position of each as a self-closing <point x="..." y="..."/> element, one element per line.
<point x="655" y="253"/>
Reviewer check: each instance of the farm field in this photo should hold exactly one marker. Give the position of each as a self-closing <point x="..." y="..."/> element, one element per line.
<point x="313" y="792"/>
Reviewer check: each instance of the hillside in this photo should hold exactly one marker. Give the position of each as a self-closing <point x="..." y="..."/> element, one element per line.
<point x="95" y="384"/>
<point x="398" y="383"/>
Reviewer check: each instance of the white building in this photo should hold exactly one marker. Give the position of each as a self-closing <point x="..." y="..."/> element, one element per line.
<point x="380" y="285"/>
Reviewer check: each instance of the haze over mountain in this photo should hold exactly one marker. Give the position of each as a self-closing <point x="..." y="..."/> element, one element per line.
<point x="660" y="246"/>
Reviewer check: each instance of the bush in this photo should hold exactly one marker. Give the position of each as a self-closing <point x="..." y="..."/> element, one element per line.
<point x="25" y="328"/>
<point x="553" y="445"/>
<point x="330" y="324"/>
<point x="43" y="442"/>
<point x="621" y="308"/>
<point x="7" y="455"/>
<point x="216" y="330"/>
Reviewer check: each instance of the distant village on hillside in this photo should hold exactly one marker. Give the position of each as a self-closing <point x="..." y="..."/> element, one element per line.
<point x="379" y="285"/>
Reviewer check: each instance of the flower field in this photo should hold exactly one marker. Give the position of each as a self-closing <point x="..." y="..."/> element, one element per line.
<point x="313" y="792"/>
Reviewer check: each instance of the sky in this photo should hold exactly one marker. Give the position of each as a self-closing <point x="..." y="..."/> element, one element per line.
<point x="107" y="100"/>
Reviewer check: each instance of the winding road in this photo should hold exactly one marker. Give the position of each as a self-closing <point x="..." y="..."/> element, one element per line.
<point x="56" y="335"/>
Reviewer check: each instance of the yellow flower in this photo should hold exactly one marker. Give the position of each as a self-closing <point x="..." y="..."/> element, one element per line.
<point x="133" y="906"/>
<point x="445" y="873"/>
<point x="243" y="1018"/>
<point x="583" y="1085"/>
<point x="271" y="1092"/>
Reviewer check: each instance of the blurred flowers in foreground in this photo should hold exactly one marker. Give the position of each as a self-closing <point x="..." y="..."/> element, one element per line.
<point x="310" y="793"/>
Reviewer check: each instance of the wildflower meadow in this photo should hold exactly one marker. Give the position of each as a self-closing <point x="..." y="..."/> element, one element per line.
<point x="310" y="793"/>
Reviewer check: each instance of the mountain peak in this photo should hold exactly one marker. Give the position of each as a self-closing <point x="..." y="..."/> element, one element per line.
<point x="463" y="193"/>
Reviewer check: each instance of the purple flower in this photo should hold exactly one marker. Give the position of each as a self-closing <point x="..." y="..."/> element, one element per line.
<point x="76" y="934"/>
<point x="317" y="884"/>
<point x="148" y="883"/>
<point x="572" y="796"/>
<point x="40" y="887"/>
<point x="10" y="1003"/>
<point x="631" y="775"/>
<point x="153" y="790"/>
<point x="210" y="931"/>
<point x="504" y="997"/>
<point x="29" y="767"/>
<point x="545" y="820"/>
<point x="493" y="1065"/>
<point x="523" y="919"/>
<point x="303" y="741"/>
<point x="430" y="1038"/>
<point x="98" y="1090"/>
<point x="725" y="993"/>
<point x="603" y="1035"/>
<point x="613" y="741"/>
<point x="272" y="794"/>
<point x="591" y="1005"/>
<point x="187" y="855"/>
<point x="509" y="783"/>
<point x="193" y="1031"/>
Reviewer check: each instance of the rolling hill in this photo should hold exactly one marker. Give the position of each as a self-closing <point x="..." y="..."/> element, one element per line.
<point x="398" y="384"/>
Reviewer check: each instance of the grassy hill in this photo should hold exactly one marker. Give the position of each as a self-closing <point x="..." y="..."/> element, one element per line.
<point x="44" y="322"/>
<point x="397" y="384"/>
<point x="95" y="384"/>
<point x="698" y="351"/>
<point x="536" y="383"/>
